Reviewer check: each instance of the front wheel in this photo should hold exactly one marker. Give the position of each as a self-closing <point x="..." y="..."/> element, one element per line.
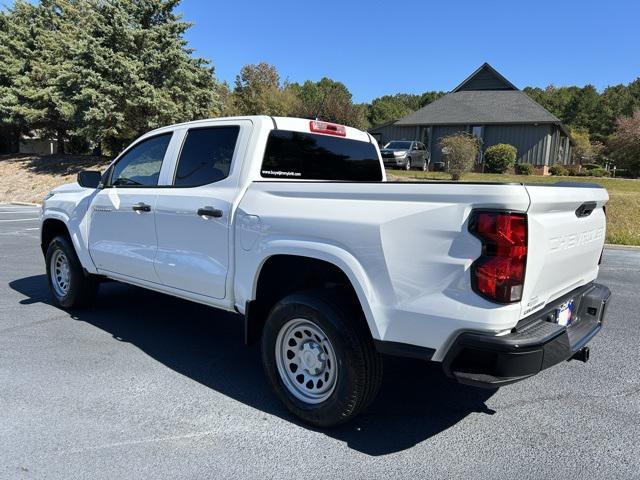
<point x="425" y="166"/>
<point x="408" y="164"/>
<point x="319" y="358"/>
<point x="69" y="285"/>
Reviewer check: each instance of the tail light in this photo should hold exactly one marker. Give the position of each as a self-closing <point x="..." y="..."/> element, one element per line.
<point x="498" y="274"/>
<point x="327" y="128"/>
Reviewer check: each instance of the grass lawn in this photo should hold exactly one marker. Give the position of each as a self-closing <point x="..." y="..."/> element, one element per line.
<point x="623" y="209"/>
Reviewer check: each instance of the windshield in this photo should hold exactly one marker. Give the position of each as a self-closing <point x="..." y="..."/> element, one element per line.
<point x="395" y="145"/>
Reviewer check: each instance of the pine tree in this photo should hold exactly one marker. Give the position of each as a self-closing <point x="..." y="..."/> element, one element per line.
<point x="94" y="71"/>
<point x="150" y="75"/>
<point x="18" y="47"/>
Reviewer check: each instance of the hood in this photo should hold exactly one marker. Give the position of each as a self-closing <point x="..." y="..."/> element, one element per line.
<point x="68" y="188"/>
<point x="393" y="151"/>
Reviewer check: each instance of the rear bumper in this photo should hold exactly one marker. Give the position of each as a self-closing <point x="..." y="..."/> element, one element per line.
<point x="536" y="343"/>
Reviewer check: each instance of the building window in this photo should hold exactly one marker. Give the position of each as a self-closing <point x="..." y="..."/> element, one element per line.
<point x="477" y="131"/>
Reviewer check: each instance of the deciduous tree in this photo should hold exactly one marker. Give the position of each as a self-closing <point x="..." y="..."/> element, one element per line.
<point x="258" y="91"/>
<point x="584" y="149"/>
<point x="392" y="107"/>
<point x="328" y="100"/>
<point x="625" y="143"/>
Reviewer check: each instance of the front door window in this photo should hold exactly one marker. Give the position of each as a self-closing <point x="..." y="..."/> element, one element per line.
<point x="140" y="166"/>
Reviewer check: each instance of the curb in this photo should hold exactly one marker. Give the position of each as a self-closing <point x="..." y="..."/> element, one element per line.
<point x="612" y="246"/>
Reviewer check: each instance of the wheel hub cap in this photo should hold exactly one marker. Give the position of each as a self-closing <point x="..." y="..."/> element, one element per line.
<point x="306" y="361"/>
<point x="312" y="358"/>
<point x="60" y="273"/>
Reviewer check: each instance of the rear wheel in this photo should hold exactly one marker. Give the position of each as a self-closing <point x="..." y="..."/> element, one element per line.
<point x="306" y="361"/>
<point x="319" y="358"/>
<point x="69" y="285"/>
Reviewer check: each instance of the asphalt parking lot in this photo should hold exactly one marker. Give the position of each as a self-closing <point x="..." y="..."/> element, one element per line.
<point x="148" y="386"/>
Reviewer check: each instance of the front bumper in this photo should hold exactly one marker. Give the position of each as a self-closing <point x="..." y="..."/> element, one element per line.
<point x="536" y="343"/>
<point x="395" y="162"/>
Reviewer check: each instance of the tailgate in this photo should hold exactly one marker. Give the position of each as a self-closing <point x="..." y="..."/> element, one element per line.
<point x="566" y="234"/>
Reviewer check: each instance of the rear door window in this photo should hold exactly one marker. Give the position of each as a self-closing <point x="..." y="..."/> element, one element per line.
<point x="206" y="156"/>
<point x="308" y="156"/>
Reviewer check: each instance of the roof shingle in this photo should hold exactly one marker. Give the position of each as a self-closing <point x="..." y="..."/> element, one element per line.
<point x="481" y="107"/>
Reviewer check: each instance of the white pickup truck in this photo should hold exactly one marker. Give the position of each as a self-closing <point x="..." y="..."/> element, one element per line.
<point x="291" y="224"/>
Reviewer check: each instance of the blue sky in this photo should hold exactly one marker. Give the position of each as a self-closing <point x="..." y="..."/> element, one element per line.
<point x="379" y="48"/>
<point x="411" y="46"/>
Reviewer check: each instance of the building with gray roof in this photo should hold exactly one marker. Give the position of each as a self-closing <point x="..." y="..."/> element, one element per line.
<point x="490" y="107"/>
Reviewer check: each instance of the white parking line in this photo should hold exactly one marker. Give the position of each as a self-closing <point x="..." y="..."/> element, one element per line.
<point x="13" y="210"/>
<point x="20" y="219"/>
<point x="18" y="207"/>
<point x="20" y="233"/>
<point x="20" y="211"/>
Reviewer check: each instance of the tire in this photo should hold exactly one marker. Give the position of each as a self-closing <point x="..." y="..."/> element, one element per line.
<point x="69" y="286"/>
<point x="331" y="330"/>
<point x="408" y="164"/>
<point x="425" y="166"/>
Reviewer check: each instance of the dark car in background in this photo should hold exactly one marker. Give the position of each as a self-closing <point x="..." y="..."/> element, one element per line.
<point x="406" y="154"/>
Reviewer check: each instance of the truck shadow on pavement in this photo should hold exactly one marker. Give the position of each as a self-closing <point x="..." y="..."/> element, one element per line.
<point x="416" y="400"/>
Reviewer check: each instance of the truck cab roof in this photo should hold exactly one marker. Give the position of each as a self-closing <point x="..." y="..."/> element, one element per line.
<point x="270" y="122"/>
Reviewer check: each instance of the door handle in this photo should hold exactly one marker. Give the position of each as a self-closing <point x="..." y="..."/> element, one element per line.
<point x="585" y="209"/>
<point x="209" y="212"/>
<point x="141" y="207"/>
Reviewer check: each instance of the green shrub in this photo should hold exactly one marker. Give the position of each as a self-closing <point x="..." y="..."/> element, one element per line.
<point x="572" y="170"/>
<point x="558" y="170"/>
<point x="459" y="152"/>
<point x="524" y="169"/>
<point x="500" y="158"/>
<point x="597" y="172"/>
<point x="590" y="166"/>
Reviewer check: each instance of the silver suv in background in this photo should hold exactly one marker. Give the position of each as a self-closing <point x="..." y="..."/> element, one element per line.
<point x="405" y="154"/>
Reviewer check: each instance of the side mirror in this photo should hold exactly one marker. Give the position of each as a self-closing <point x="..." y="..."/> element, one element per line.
<point x="89" y="178"/>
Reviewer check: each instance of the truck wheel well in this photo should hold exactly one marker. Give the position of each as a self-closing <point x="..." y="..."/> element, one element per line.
<point x="282" y="275"/>
<point x="51" y="228"/>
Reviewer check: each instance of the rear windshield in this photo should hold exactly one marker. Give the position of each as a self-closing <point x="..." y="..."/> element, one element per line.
<point x="308" y="156"/>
